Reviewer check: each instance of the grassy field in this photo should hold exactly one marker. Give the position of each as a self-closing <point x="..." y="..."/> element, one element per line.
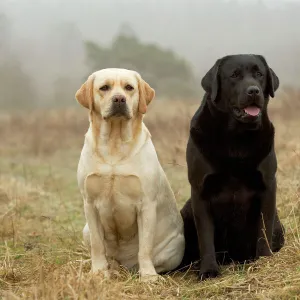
<point x="41" y="211"/>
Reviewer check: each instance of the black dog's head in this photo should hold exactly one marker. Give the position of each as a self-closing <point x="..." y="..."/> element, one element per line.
<point x="240" y="86"/>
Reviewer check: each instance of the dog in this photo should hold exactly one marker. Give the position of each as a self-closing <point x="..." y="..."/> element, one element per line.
<point x="130" y="209"/>
<point x="231" y="215"/>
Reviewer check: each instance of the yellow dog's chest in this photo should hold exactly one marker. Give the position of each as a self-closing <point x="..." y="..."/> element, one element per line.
<point x="117" y="198"/>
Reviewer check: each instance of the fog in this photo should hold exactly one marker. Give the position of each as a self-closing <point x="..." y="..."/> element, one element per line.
<point x="48" y="36"/>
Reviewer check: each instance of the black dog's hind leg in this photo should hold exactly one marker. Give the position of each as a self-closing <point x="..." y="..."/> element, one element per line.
<point x="191" y="253"/>
<point x="267" y="218"/>
<point x="278" y="238"/>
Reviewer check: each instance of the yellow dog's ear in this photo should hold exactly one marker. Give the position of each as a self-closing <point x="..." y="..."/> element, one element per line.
<point x="146" y="94"/>
<point x="85" y="95"/>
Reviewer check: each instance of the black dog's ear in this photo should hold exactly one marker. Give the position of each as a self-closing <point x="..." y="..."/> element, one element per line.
<point x="274" y="82"/>
<point x="210" y="81"/>
<point x="272" y="79"/>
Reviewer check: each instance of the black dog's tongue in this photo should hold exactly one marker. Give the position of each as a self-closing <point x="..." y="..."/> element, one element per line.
<point x="252" y="110"/>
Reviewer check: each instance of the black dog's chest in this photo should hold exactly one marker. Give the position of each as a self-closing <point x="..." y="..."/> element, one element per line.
<point x="236" y="158"/>
<point x="232" y="204"/>
<point x="233" y="153"/>
<point x="234" y="193"/>
<point x="233" y="199"/>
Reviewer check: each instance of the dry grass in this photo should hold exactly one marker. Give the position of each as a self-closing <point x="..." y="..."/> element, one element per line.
<point x="41" y="212"/>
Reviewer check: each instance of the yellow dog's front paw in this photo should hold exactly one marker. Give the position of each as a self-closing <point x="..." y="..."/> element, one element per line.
<point x="100" y="272"/>
<point x="114" y="268"/>
<point x="149" y="278"/>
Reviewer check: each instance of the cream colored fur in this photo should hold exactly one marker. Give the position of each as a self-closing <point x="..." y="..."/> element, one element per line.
<point x="130" y="209"/>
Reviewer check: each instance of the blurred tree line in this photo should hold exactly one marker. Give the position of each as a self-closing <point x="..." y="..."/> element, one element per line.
<point x="168" y="74"/>
<point x="16" y="87"/>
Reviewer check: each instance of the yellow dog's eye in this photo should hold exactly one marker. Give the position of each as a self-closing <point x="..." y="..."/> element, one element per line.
<point x="104" y="88"/>
<point x="128" y="87"/>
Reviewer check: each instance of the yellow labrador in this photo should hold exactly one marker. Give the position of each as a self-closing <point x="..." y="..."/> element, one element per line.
<point x="130" y="209"/>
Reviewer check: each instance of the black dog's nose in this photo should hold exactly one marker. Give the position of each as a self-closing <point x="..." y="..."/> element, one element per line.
<point x="253" y="90"/>
<point x="119" y="99"/>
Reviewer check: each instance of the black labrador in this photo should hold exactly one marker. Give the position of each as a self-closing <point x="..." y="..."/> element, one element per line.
<point x="232" y="214"/>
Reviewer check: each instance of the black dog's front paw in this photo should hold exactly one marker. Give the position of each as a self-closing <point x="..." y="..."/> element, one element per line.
<point x="210" y="272"/>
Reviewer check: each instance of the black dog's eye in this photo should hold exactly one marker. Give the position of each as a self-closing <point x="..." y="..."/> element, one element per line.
<point x="259" y="74"/>
<point x="104" y="88"/>
<point x="128" y="87"/>
<point x="235" y="74"/>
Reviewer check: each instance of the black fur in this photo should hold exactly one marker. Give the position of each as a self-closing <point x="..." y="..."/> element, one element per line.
<point x="231" y="168"/>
